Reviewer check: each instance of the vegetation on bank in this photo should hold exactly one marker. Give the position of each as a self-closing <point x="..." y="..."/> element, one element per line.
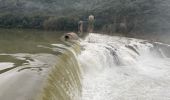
<point x="17" y="21"/>
<point x="111" y="16"/>
<point x="39" y="22"/>
<point x="62" y="23"/>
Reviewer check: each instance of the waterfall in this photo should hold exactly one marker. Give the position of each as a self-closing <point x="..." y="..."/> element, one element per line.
<point x="64" y="79"/>
<point x="119" y="68"/>
<point x="102" y="67"/>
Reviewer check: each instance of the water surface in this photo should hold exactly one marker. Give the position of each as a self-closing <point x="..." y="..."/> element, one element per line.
<point x="25" y="58"/>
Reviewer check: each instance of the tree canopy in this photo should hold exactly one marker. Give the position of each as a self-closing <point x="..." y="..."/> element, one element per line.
<point x="132" y="16"/>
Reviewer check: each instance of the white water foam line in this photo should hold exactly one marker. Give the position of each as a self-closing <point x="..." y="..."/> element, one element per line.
<point x="5" y="65"/>
<point x="142" y="76"/>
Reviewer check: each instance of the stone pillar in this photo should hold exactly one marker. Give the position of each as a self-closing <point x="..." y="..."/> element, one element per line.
<point x="80" y="27"/>
<point x="90" y="23"/>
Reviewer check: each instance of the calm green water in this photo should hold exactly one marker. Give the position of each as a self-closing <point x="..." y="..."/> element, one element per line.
<point x="27" y="41"/>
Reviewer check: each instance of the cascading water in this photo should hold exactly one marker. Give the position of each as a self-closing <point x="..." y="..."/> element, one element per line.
<point x="117" y="68"/>
<point x="100" y="67"/>
<point x="112" y="68"/>
<point x="64" y="79"/>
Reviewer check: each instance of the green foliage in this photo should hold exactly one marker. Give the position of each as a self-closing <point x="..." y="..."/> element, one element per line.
<point x="136" y="15"/>
<point x="62" y="23"/>
<point x="127" y="16"/>
<point x="16" y="21"/>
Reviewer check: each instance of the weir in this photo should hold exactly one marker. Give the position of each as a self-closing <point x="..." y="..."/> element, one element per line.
<point x="108" y="68"/>
<point x="99" y="67"/>
<point x="64" y="79"/>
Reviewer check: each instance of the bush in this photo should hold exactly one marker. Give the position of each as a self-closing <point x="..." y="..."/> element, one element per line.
<point x="60" y="24"/>
<point x="17" y="21"/>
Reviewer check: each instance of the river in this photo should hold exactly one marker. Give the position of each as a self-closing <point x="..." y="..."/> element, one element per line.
<point x="40" y="65"/>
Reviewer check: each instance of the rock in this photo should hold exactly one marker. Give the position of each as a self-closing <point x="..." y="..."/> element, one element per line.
<point x="71" y="36"/>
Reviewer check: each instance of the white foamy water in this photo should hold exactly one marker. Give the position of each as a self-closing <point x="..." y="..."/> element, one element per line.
<point x="116" y="68"/>
<point x="4" y="65"/>
<point x="100" y="67"/>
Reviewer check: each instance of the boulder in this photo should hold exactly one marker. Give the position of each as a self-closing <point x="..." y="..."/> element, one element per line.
<point x="71" y="36"/>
